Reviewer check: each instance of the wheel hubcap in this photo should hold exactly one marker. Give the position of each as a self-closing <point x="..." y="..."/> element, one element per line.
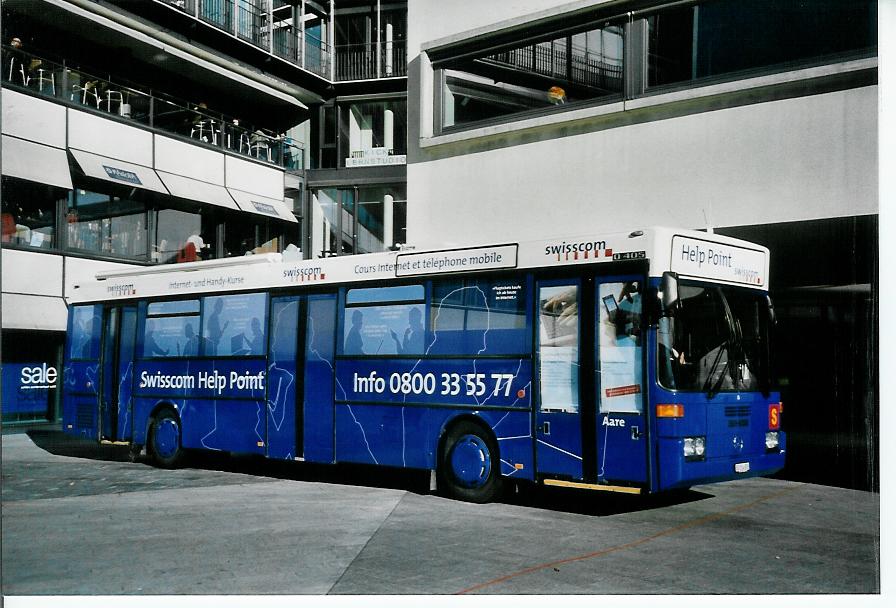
<point x="470" y="461"/>
<point x="166" y="438"/>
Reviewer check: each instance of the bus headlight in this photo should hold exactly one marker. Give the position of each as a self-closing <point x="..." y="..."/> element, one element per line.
<point x="694" y="448"/>
<point x="771" y="440"/>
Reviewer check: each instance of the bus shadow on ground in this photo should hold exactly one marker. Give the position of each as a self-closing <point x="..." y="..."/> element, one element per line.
<point x="58" y="443"/>
<point x="522" y="494"/>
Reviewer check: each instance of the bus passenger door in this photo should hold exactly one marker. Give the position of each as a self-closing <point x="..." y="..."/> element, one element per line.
<point x="116" y="402"/>
<point x="284" y="418"/>
<point x="558" y="416"/>
<point x="619" y="379"/>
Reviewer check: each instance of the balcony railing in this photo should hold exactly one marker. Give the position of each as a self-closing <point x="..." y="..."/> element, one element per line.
<point x="581" y="67"/>
<point x="361" y="62"/>
<point x="154" y="109"/>
<point x="248" y="21"/>
<point x="218" y="13"/>
<point x="187" y="6"/>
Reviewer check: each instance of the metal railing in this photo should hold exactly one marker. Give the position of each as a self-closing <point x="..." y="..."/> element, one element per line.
<point x="154" y="109"/>
<point x="353" y="61"/>
<point x="218" y="13"/>
<point x="251" y="22"/>
<point x="580" y="68"/>
<point x="316" y="56"/>
<point x="187" y="6"/>
<point x="361" y="62"/>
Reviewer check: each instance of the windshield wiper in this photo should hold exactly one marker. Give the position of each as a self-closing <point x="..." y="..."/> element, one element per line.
<point x="731" y="346"/>
<point x="709" y="385"/>
<point x="714" y="390"/>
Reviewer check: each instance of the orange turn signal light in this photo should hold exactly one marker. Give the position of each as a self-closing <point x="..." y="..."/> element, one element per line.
<point x="669" y="410"/>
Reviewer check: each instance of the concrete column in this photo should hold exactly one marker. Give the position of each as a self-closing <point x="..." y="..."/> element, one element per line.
<point x="387" y="221"/>
<point x="331" y="40"/>
<point x="302" y="34"/>
<point x="379" y="42"/>
<point x="389" y="131"/>
<point x="389" y="43"/>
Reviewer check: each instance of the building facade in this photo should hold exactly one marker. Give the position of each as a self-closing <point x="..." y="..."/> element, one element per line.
<point x="171" y="131"/>
<point x="754" y="119"/>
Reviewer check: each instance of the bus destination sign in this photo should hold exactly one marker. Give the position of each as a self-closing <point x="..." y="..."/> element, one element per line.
<point x="718" y="261"/>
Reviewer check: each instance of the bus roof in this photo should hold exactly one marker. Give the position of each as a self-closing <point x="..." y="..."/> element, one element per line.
<point x="689" y="253"/>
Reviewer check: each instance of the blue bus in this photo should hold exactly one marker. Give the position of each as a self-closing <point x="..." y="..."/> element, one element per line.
<point x="634" y="362"/>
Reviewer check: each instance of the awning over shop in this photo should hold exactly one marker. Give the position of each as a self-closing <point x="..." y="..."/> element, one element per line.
<point x="262" y="205"/>
<point x="23" y="311"/>
<point x="118" y="171"/>
<point x="35" y="162"/>
<point x="195" y="190"/>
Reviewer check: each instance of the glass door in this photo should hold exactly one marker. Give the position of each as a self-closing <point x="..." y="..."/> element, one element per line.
<point x="619" y="379"/>
<point x="558" y="418"/>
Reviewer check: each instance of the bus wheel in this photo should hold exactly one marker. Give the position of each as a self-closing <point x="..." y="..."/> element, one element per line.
<point x="469" y="468"/>
<point x="164" y="439"/>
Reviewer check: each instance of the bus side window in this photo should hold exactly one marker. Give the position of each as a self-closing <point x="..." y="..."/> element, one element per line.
<point x="234" y="325"/>
<point x="480" y="316"/>
<point x="84" y="341"/>
<point x="385" y="321"/>
<point x="171" y="329"/>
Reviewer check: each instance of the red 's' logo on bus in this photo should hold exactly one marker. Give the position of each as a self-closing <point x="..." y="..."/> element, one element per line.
<point x="774" y="416"/>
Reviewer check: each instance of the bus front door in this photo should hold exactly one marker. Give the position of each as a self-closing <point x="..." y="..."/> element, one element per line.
<point x="558" y="416"/>
<point x="621" y="426"/>
<point x="116" y="400"/>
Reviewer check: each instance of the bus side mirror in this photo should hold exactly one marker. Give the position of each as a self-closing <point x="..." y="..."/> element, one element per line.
<point x="669" y="287"/>
<point x="772" y="318"/>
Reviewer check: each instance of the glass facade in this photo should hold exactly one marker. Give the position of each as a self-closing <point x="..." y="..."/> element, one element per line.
<point x="673" y="46"/>
<point x="559" y="70"/>
<point x="107" y="225"/>
<point x="130" y="102"/>
<point x="29" y="214"/>
<point x="712" y="39"/>
<point x="133" y="226"/>
<point x="373" y="133"/>
<point x="362" y="219"/>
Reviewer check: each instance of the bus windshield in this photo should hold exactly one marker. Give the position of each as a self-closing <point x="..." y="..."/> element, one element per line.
<point x="716" y="341"/>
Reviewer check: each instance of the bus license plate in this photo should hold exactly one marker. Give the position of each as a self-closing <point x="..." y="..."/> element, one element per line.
<point x="741" y="467"/>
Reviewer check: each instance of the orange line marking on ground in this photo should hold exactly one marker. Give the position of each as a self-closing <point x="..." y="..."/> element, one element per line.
<point x="635" y="543"/>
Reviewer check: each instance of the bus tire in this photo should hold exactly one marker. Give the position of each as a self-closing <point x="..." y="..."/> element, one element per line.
<point x="164" y="440"/>
<point x="469" y="464"/>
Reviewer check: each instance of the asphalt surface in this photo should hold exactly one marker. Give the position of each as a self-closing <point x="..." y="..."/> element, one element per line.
<point x="78" y="518"/>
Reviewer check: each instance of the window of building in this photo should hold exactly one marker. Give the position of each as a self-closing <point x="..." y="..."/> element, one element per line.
<point x="29" y="213"/>
<point x="244" y="233"/>
<point x="234" y="325"/>
<point x="184" y="234"/>
<point x="107" y="225"/>
<point x="540" y="75"/>
<point x="385" y="321"/>
<point x="381" y="217"/>
<point x="358" y="220"/>
<point x="720" y="37"/>
<point x="370" y="44"/>
<point x="373" y="133"/>
<point x="484" y="316"/>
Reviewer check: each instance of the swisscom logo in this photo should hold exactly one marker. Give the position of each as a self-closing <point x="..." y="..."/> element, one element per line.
<point x="127" y="289"/>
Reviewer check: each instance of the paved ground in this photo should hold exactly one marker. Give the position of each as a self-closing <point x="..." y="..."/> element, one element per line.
<point x="80" y="519"/>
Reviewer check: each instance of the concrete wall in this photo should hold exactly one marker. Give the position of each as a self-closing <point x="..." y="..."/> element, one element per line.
<point x="784" y="160"/>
